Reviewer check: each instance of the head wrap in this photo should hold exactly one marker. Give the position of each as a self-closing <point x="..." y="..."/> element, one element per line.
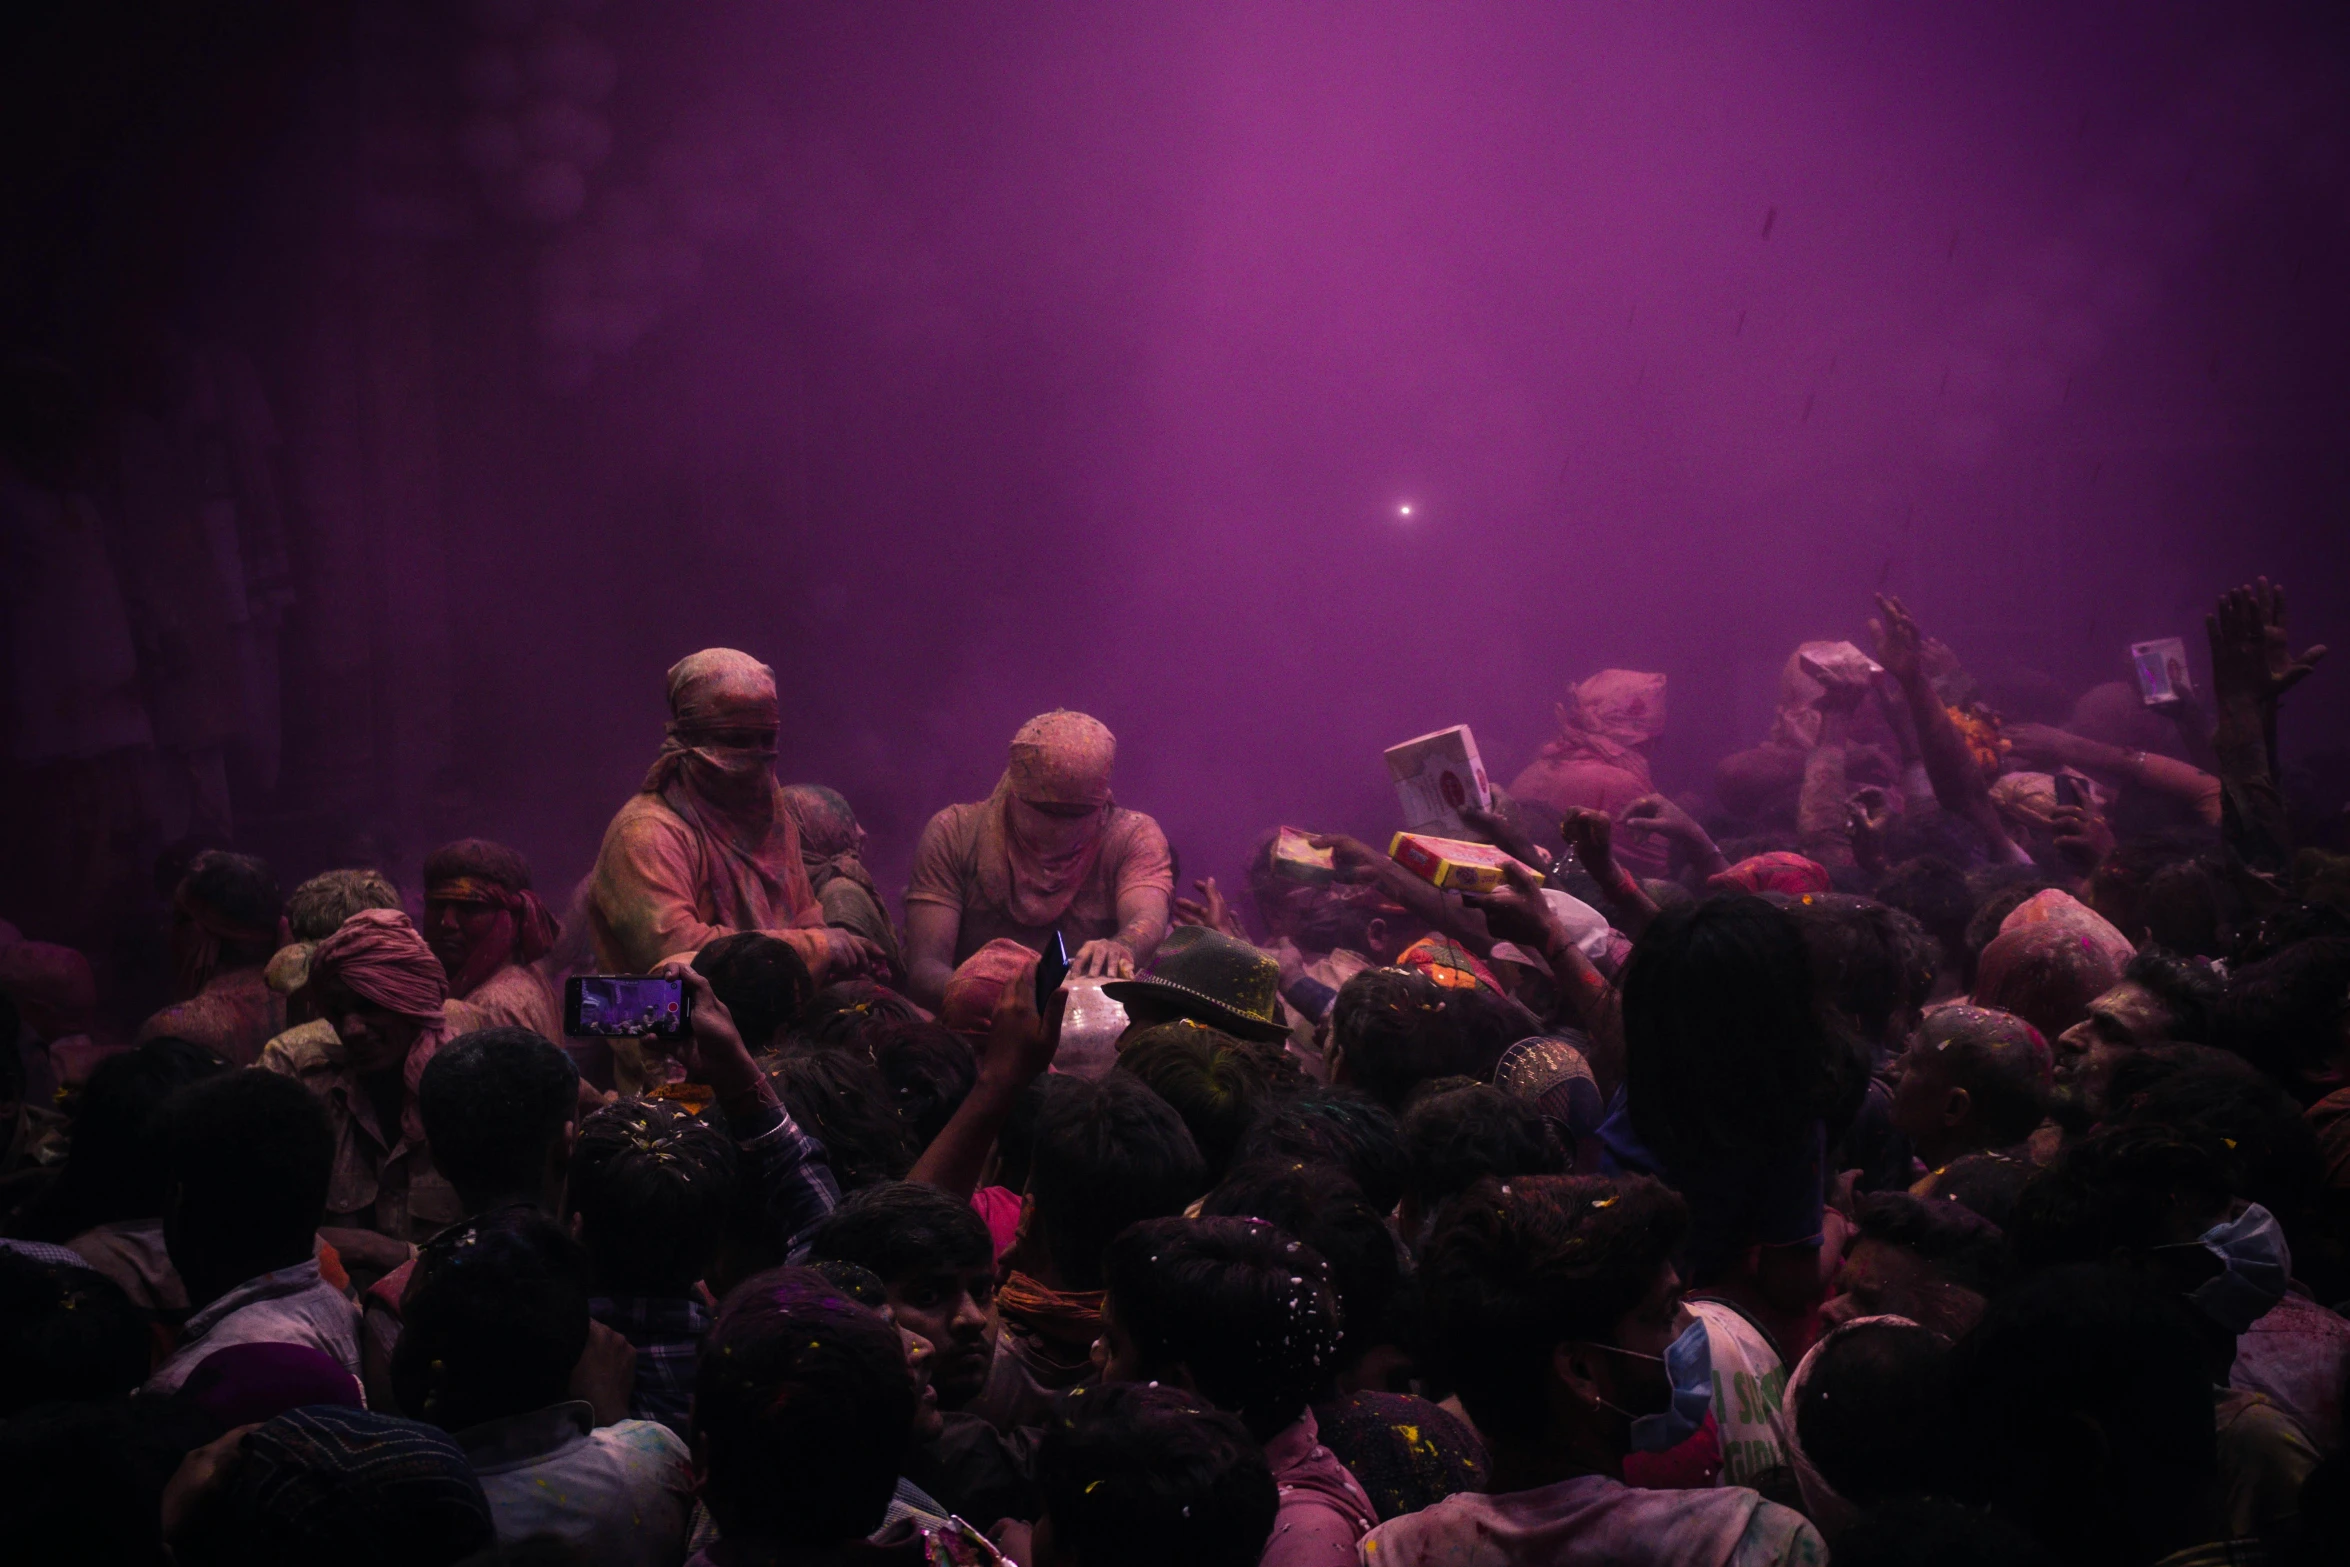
<point x="312" y="1481"/>
<point x="978" y="982"/>
<point x="54" y="991"/>
<point x="831" y="842"/>
<point x="1828" y="1508"/>
<point x="1409" y="1454"/>
<point x="1553" y="1075"/>
<point x="2054" y="906"/>
<point x="1058" y="758"/>
<point x="728" y="795"/>
<point x="1449" y="964"/>
<point x="1779" y="871"/>
<point x="243" y="1383"/>
<point x="1608" y="718"/>
<point x="378" y="956"/>
<point x="2047" y="971"/>
<point x="475" y="870"/>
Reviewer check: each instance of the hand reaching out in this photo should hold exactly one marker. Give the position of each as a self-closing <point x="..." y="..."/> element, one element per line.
<point x="1900" y="645"/>
<point x="1516" y="910"/>
<point x="1104" y="959"/>
<point x="1654" y="814"/>
<point x="1212" y="910"/>
<point x="1020" y="1042"/>
<point x="2251" y="654"/>
<point x="1354" y="860"/>
<point x="1507" y="837"/>
<point x="2083" y="836"/>
<point x="1869" y="811"/>
<point x="1591" y="834"/>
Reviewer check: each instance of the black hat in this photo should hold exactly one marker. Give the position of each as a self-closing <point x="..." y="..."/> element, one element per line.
<point x="1206" y="975"/>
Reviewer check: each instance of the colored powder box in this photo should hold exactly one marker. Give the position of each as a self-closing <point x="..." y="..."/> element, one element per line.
<point x="1299" y="860"/>
<point x="1450" y="863"/>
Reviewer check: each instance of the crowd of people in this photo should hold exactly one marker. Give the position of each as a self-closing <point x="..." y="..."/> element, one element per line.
<point x="1928" y="1146"/>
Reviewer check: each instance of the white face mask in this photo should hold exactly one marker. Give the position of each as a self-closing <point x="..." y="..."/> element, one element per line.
<point x="2255" y="1267"/>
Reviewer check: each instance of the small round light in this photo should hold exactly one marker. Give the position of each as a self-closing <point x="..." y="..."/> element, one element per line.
<point x="1405" y="511"/>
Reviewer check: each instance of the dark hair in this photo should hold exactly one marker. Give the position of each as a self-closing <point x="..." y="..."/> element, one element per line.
<point x="2114" y="1190"/>
<point x="1016" y="1143"/>
<point x="1136" y="1476"/>
<point x="65" y="1333"/>
<point x="839" y="1098"/>
<point x="1248" y="1310"/>
<point x="494" y="1104"/>
<point x="901" y="1228"/>
<point x="1484" y="1026"/>
<point x="1869" y="961"/>
<point x="1457" y="1138"/>
<point x="1216" y="1087"/>
<point x="494" y="1322"/>
<point x="1956" y="1242"/>
<point x="853" y="1014"/>
<point x="1107" y="1155"/>
<point x="1874" y="1410"/>
<point x="2271" y="1149"/>
<point x="243" y="891"/>
<point x="2287" y="1012"/>
<point x="1935" y="1532"/>
<point x="480" y="857"/>
<point x="2074" y="1343"/>
<point x="249" y="1155"/>
<point x="1554" y="1259"/>
<point x="802" y="1402"/>
<point x="1987" y="1185"/>
<point x="763" y="984"/>
<point x="82" y="1482"/>
<point x="651" y="1186"/>
<point x="2157" y="885"/>
<point x="1932" y="891"/>
<point x="2188" y="991"/>
<point x="930" y="1072"/>
<point x="1725" y="1049"/>
<point x="114" y="1165"/>
<point x="1340" y="1127"/>
<point x="1322" y="1206"/>
<point x="1393" y="1028"/>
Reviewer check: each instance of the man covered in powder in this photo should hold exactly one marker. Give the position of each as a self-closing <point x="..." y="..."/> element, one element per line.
<point x="707" y="845"/>
<point x="489" y="930"/>
<point x="1048" y="850"/>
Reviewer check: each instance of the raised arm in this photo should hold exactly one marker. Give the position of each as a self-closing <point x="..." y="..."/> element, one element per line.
<point x="1958" y="782"/>
<point x="2252" y="667"/>
<point x="1591" y="834"/>
<point x="1654" y="814"/>
<point x="1020" y="1047"/>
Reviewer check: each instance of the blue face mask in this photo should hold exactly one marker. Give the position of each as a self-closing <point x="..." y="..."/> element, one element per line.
<point x="1689" y="1367"/>
<point x="2255" y="1266"/>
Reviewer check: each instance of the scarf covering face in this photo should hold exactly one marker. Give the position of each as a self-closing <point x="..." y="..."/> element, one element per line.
<point x="728" y="794"/>
<point x="379" y="957"/>
<point x="475" y="870"/>
<point x="1058" y="758"/>
<point x="1608" y="718"/>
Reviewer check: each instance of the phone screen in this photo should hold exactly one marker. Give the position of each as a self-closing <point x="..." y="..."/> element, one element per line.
<point x="1050" y="971"/>
<point x="623" y="1006"/>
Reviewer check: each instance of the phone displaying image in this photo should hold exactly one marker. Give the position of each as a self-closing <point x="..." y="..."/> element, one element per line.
<point x="2162" y="671"/>
<point x="1051" y="969"/>
<point x="625" y="1006"/>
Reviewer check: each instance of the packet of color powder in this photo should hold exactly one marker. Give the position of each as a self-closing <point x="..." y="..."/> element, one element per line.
<point x="1435" y="776"/>
<point x="2162" y="671"/>
<point x="1449" y="863"/>
<point x="1299" y="860"/>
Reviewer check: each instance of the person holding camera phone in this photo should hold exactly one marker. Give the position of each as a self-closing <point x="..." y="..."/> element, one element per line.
<point x="708" y="845"/>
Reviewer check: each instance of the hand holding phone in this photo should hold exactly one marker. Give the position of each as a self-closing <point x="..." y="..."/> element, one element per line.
<point x="625" y="1006"/>
<point x="2068" y="790"/>
<point x="1051" y="969"/>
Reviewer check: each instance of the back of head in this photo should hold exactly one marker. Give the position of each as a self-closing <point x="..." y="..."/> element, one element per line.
<point x="1484" y="1026"/>
<point x="494" y="1104"/>
<point x="929" y="1070"/>
<point x="1458" y="1138"/>
<point x="2083" y="1403"/>
<point x="1872" y="962"/>
<point x="1393" y="1031"/>
<point x="2119" y="1189"/>
<point x="234" y="898"/>
<point x="1106" y="1155"/>
<point x="2187" y="988"/>
<point x="1724" y="1046"/>
<point x="650" y="1187"/>
<point x="1960" y="1245"/>
<point x="1873" y="1411"/>
<point x="481" y="858"/>
<point x="2272" y="1154"/>
<point x="1245" y="1308"/>
<point x="1932" y="891"/>
<point x="853" y="1014"/>
<point x="495" y="1320"/>
<point x="343" y="1485"/>
<point x="317" y="908"/>
<point x="761" y="981"/>
<point x="1325" y="1210"/>
<point x="2002" y="1062"/>
<point x="246" y="1156"/>
<point x="1214" y="1084"/>
<point x="2289" y="1012"/>
<point x="840" y="1098"/>
<point x="114" y="1165"/>
<point x="1136" y="1476"/>
<point x="2045" y="974"/>
<point x="1512" y="1274"/>
<point x="900" y="1228"/>
<point x="65" y="1333"/>
<point x="1339" y="1127"/>
<point x="802" y="1406"/>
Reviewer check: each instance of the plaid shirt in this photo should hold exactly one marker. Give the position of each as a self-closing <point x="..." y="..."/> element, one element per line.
<point x="789" y="1174"/>
<point x="667" y="1335"/>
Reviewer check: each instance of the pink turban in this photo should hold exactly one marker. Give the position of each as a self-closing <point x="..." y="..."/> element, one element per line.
<point x="1781" y="871"/>
<point x="969" y="1005"/>
<point x="2054" y="906"/>
<point x="2046" y="972"/>
<point x="378" y="956"/>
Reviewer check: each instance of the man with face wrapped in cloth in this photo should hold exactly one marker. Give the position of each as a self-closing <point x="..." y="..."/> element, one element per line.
<point x="707" y="846"/>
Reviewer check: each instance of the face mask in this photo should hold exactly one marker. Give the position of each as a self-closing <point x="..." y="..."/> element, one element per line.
<point x="2255" y="1265"/>
<point x="1689" y="1368"/>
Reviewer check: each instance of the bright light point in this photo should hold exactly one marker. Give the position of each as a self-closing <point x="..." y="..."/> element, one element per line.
<point x="1403" y="511"/>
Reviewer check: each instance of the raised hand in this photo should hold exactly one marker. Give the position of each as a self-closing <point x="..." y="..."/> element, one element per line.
<point x="2251" y="653"/>
<point x="1212" y="910"/>
<point x="1654" y="814"/>
<point x="1900" y="645"/>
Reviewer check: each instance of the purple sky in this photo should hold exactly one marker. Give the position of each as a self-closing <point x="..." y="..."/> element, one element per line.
<point x="967" y="360"/>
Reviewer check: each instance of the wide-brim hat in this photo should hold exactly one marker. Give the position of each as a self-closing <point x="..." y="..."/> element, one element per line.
<point x="1207" y="975"/>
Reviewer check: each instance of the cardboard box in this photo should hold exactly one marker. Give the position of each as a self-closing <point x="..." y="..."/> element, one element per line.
<point x="1299" y="860"/>
<point x="1435" y="776"/>
<point x="1449" y="863"/>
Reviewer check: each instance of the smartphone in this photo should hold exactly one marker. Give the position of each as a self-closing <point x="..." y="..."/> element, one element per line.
<point x="625" y="1006"/>
<point x="1051" y="969"/>
<point x="2068" y="790"/>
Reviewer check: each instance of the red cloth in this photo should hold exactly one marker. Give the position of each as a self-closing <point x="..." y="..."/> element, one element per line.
<point x="971" y="995"/>
<point x="1451" y="965"/>
<point x="1780" y="871"/>
<point x="378" y="956"/>
<point x="2046" y="972"/>
<point x="525" y="931"/>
